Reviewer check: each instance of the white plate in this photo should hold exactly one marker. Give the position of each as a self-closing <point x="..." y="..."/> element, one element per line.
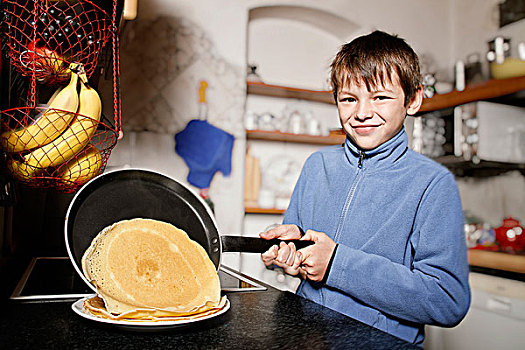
<point x="78" y="308"/>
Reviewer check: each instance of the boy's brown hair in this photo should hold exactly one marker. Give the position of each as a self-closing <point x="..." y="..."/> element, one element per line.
<point x="373" y="59"/>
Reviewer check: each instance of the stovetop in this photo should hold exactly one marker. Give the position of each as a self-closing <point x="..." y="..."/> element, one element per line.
<point x="54" y="278"/>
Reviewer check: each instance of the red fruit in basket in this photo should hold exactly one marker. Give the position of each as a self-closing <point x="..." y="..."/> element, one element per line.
<point x="49" y="66"/>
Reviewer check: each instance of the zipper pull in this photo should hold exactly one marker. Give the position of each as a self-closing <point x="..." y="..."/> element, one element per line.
<point x="361" y="156"/>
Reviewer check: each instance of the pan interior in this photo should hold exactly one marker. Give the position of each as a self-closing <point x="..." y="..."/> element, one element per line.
<point x="128" y="194"/>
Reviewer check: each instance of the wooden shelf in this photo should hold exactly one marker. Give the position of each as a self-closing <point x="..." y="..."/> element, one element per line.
<point x="497" y="260"/>
<point x="475" y="92"/>
<point x="482" y="91"/>
<point x="255" y="210"/>
<point x="297" y="138"/>
<point x="262" y="89"/>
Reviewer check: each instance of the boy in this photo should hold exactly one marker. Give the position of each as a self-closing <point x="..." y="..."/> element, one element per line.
<point x="386" y="221"/>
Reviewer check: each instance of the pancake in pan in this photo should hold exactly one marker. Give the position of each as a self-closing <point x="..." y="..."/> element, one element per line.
<point x="144" y="264"/>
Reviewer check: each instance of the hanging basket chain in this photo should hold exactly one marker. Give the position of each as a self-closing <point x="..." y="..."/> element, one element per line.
<point x="116" y="71"/>
<point x="37" y="10"/>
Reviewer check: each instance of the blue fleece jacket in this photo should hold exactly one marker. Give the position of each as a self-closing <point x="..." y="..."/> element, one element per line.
<point x="396" y="215"/>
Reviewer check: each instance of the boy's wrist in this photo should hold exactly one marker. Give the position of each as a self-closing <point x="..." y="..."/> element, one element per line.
<point x="329" y="267"/>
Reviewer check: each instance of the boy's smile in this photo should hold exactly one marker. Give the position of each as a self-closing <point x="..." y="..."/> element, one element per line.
<point x="370" y="118"/>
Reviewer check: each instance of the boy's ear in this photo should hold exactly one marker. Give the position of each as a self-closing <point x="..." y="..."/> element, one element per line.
<point x="415" y="103"/>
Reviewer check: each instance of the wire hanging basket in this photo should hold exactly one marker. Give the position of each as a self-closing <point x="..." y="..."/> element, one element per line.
<point x="65" y="142"/>
<point x="45" y="36"/>
<point x="66" y="163"/>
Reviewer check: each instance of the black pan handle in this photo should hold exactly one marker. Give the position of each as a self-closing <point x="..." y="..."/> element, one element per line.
<point x="255" y="244"/>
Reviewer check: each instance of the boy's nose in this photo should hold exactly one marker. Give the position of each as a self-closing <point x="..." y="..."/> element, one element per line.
<point x="364" y="111"/>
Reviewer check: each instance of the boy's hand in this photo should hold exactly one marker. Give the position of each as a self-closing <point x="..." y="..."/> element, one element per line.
<point x="282" y="232"/>
<point x="285" y="255"/>
<point x="310" y="262"/>
<point x="315" y="258"/>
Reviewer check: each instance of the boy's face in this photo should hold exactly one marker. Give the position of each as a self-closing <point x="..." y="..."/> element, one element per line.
<point x="373" y="117"/>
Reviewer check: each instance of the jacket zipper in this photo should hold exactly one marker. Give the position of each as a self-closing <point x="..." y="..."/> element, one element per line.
<point x="350" y="195"/>
<point x="348" y="200"/>
<point x="361" y="157"/>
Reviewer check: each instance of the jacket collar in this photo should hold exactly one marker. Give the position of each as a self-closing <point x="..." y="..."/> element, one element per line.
<point x="382" y="156"/>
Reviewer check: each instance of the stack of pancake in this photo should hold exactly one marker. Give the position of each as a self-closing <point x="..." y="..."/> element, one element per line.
<point x="148" y="270"/>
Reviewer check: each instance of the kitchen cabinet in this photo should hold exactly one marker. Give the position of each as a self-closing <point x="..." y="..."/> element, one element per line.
<point x="495" y="319"/>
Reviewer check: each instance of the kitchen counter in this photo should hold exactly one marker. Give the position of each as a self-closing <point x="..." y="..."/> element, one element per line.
<point x="269" y="319"/>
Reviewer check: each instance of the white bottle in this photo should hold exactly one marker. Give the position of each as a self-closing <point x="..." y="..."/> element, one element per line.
<point x="460" y="75"/>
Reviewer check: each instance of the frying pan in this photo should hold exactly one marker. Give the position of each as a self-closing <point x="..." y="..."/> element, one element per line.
<point x="136" y="193"/>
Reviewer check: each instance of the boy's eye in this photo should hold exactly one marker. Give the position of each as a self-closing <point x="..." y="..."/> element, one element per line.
<point x="347" y="99"/>
<point x="382" y="97"/>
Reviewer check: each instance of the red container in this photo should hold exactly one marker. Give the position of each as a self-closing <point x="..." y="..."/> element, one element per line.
<point x="511" y="236"/>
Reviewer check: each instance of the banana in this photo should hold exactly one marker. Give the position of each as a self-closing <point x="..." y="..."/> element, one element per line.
<point x="82" y="169"/>
<point x="49" y="125"/>
<point x="20" y="170"/>
<point x="75" y="137"/>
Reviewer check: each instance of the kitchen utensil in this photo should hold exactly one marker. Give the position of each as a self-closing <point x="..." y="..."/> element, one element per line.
<point x="131" y="193"/>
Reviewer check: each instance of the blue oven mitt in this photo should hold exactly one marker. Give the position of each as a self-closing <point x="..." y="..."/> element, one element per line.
<point x="206" y="149"/>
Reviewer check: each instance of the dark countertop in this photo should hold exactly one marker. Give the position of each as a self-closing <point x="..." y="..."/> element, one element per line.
<point x="269" y="319"/>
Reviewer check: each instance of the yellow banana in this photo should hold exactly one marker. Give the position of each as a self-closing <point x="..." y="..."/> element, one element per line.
<point x="21" y="171"/>
<point x="49" y="125"/>
<point x="75" y="137"/>
<point x="82" y="169"/>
